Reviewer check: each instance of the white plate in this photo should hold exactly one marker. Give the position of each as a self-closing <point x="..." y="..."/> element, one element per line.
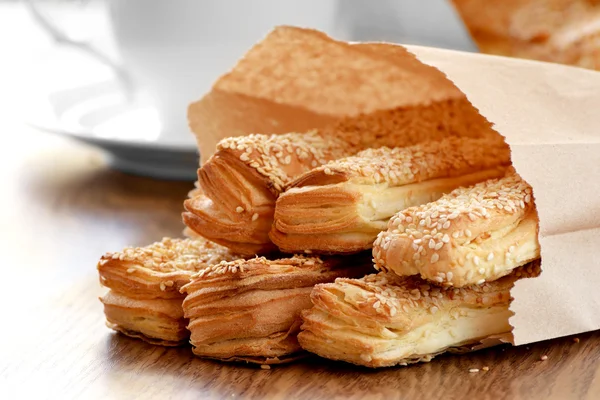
<point x="74" y="96"/>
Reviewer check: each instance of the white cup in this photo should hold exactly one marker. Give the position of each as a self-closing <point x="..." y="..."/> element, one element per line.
<point x="172" y="51"/>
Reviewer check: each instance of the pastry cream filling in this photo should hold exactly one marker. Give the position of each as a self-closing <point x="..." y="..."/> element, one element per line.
<point x="380" y="202"/>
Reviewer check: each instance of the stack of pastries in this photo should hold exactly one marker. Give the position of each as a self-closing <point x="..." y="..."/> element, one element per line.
<point x="286" y="231"/>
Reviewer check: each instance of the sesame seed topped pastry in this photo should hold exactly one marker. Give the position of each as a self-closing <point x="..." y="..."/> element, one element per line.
<point x="144" y="299"/>
<point x="470" y="236"/>
<point x="383" y="319"/>
<point x="356" y="96"/>
<point x="240" y="182"/>
<point x="250" y="310"/>
<point x="341" y="206"/>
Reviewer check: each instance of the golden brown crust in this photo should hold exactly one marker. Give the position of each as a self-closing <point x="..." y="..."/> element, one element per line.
<point x="469" y="236"/>
<point x="341" y="206"/>
<point x="241" y="181"/>
<point x="385" y="320"/>
<point x="156" y="321"/>
<point x="160" y="269"/>
<point x="250" y="309"/>
<point x="449" y="157"/>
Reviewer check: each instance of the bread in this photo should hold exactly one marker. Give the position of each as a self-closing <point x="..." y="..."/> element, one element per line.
<point x="239" y="185"/>
<point x="144" y="300"/>
<point x="383" y="320"/>
<point x="249" y="310"/>
<point x="470" y="236"/>
<point x="341" y="206"/>
<point x="561" y="31"/>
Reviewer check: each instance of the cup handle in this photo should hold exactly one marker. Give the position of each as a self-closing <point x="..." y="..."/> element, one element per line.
<point x="61" y="38"/>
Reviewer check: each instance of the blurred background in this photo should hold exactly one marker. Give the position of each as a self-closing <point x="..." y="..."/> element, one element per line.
<point x="119" y="74"/>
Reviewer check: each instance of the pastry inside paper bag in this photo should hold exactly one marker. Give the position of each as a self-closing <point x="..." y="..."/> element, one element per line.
<point x="471" y="235"/>
<point x="144" y="300"/>
<point x="383" y="319"/>
<point x="358" y="96"/>
<point x="341" y="206"/>
<point x="249" y="310"/>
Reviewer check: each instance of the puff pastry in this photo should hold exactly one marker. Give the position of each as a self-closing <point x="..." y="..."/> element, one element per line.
<point x="144" y="300"/>
<point x="470" y="236"/>
<point x="384" y="320"/>
<point x="156" y="321"/>
<point x="250" y="310"/>
<point x="357" y="96"/>
<point x="240" y="182"/>
<point x="341" y="206"/>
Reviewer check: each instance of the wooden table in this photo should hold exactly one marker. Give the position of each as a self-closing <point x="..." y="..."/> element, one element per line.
<point x="62" y="207"/>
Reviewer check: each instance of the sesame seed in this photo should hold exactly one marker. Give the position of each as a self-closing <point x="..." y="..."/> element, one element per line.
<point x="130" y="270"/>
<point x="481" y="281"/>
<point x="485" y="369"/>
<point x="544" y="358"/>
<point x="239" y="209"/>
<point x="265" y="366"/>
<point x="162" y="286"/>
<point x="254" y="216"/>
<point x="490" y="257"/>
<point x="434" y="258"/>
<point x="474" y="370"/>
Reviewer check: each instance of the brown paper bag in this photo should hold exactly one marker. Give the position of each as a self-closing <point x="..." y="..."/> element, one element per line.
<point x="549" y="114"/>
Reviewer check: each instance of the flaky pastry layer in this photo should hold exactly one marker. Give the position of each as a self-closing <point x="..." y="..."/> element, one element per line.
<point x="341" y="206"/>
<point x="241" y="181"/>
<point x="156" y="321"/>
<point x="470" y="236"/>
<point x="250" y="309"/>
<point x="144" y="300"/>
<point x="384" y="320"/>
<point x="160" y="269"/>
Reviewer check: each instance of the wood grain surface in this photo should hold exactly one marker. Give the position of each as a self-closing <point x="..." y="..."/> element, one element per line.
<point x="61" y="207"/>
